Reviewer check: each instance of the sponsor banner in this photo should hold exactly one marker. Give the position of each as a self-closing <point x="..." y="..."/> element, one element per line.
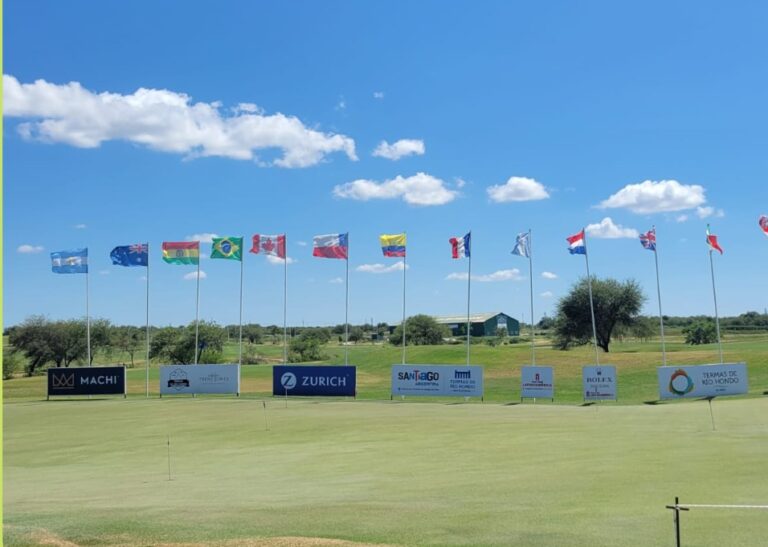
<point x="437" y="380"/>
<point x="702" y="380"/>
<point x="537" y="382"/>
<point x="86" y="381"/>
<point x="599" y="383"/>
<point x="192" y="379"/>
<point x="325" y="381"/>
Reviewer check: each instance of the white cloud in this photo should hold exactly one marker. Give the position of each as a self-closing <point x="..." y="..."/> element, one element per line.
<point x="548" y="275"/>
<point x="342" y="104"/>
<point x="607" y="229"/>
<point x="500" y="275"/>
<point x="517" y="189"/>
<point x="381" y="268"/>
<point x="80" y="226"/>
<point x="656" y="197"/>
<point x="103" y="272"/>
<point x="460" y="182"/>
<point x="272" y="259"/>
<point x="681" y="218"/>
<point x="419" y="189"/>
<point x="706" y="212"/>
<point x="399" y="149"/>
<point x="378" y="94"/>
<point x="202" y="238"/>
<point x="193" y="275"/>
<point x="547" y="294"/>
<point x="336" y="280"/>
<point x="301" y="243"/>
<point x="166" y="121"/>
<point x="30" y="249"/>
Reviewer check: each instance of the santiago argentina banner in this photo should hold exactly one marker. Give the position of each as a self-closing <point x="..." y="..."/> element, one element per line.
<point x="599" y="383"/>
<point x="702" y="380"/>
<point x="537" y="382"/>
<point x="86" y="381"/>
<point x="437" y="380"/>
<point x="192" y="379"/>
<point x="327" y="381"/>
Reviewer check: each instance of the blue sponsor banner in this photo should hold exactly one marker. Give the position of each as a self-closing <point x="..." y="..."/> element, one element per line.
<point x="86" y="381"/>
<point x="326" y="381"/>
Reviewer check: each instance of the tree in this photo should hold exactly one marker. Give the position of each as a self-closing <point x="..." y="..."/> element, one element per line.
<point x="128" y="340"/>
<point x="355" y="334"/>
<point x="252" y="333"/>
<point x="616" y="304"/>
<point x="177" y="344"/>
<point x="307" y="346"/>
<point x="420" y="330"/>
<point x="644" y="328"/>
<point x="701" y="332"/>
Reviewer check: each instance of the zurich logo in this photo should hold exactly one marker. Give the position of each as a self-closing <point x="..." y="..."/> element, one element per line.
<point x="288" y="380"/>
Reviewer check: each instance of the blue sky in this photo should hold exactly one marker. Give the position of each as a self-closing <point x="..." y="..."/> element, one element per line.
<point x="149" y="121"/>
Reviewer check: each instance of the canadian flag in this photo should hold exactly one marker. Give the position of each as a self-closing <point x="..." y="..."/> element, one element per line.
<point x="269" y="245"/>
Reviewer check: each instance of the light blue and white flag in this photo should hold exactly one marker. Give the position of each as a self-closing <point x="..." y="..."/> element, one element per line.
<point x="522" y="245"/>
<point x="70" y="262"/>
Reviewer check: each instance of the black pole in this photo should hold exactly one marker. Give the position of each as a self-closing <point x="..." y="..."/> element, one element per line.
<point x="676" y="508"/>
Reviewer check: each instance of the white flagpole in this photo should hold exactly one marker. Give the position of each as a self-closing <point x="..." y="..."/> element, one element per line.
<point x="591" y="306"/>
<point x="240" y="359"/>
<point x="285" y="303"/>
<point x="87" y="314"/>
<point x="147" y="362"/>
<point x="346" y="309"/>
<point x="197" y="305"/>
<point x="469" y="282"/>
<point x="717" y="317"/>
<point x="530" y="274"/>
<point x="658" y="291"/>
<point x="404" y="268"/>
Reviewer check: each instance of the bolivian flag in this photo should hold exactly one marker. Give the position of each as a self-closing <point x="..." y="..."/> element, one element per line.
<point x="227" y="247"/>
<point x="181" y="252"/>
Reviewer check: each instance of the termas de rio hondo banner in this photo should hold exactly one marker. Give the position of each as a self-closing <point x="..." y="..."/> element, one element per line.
<point x="193" y="379"/>
<point x="437" y="380"/>
<point x="702" y="381"/>
<point x="86" y="381"/>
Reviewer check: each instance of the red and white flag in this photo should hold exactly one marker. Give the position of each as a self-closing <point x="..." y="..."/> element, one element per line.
<point x="763" y="224"/>
<point x="712" y="242"/>
<point x="269" y="245"/>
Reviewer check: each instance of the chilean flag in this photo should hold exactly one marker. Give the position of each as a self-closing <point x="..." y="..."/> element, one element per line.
<point x="712" y="242"/>
<point x="576" y="244"/>
<point x="331" y="246"/>
<point x="763" y="222"/>
<point x="460" y="246"/>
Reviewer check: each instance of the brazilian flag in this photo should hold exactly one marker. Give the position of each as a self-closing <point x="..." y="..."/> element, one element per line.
<point x="230" y="248"/>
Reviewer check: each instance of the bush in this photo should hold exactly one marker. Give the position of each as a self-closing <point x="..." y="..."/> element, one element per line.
<point x="701" y="332"/>
<point x="11" y="363"/>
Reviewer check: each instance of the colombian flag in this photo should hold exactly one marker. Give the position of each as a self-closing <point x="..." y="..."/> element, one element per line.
<point x="181" y="252"/>
<point x="392" y="244"/>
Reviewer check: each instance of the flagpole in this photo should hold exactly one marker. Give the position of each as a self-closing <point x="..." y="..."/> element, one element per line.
<point x="87" y="315"/>
<point x="404" y="268"/>
<point x="530" y="274"/>
<point x="469" y="281"/>
<point x="591" y="306"/>
<point x="240" y="359"/>
<point x="346" y="309"/>
<point x="147" y="362"/>
<point x="717" y="317"/>
<point x="197" y="305"/>
<point x="658" y="291"/>
<point x="285" y="304"/>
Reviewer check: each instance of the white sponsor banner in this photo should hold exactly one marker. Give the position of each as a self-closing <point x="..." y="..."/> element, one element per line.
<point x="599" y="383"/>
<point x="537" y="382"/>
<point x="437" y="380"/>
<point x="702" y="380"/>
<point x="179" y="379"/>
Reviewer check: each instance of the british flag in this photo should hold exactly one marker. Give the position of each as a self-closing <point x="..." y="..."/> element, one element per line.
<point x="648" y="239"/>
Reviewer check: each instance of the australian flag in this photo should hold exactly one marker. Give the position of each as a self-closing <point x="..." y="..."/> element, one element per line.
<point x="648" y="239"/>
<point x="130" y="255"/>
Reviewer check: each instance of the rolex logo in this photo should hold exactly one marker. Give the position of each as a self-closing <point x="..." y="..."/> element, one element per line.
<point x="65" y="380"/>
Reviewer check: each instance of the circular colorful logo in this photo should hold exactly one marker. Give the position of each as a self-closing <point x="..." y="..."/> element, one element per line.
<point x="680" y="383"/>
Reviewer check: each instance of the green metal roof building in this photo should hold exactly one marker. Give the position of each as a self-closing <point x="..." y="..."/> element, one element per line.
<point x="481" y="324"/>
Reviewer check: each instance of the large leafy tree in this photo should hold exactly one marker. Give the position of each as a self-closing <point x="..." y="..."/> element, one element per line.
<point x="420" y="330"/>
<point x="177" y="344"/>
<point x="616" y="304"/>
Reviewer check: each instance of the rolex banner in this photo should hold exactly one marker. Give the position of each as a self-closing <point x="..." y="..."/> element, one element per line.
<point x="599" y="383"/>
<point x="702" y="381"/>
<point x="86" y="381"/>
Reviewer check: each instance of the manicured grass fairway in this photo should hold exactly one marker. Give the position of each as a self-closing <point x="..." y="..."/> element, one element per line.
<point x="95" y="471"/>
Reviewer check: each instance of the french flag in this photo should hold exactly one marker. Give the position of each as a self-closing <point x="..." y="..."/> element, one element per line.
<point x="576" y="244"/>
<point x="460" y="246"/>
<point x="331" y="246"/>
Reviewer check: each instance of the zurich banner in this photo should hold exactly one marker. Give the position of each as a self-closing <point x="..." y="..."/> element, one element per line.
<point x="86" y="381"/>
<point x="437" y="380"/>
<point x="326" y="381"/>
<point x="193" y="379"/>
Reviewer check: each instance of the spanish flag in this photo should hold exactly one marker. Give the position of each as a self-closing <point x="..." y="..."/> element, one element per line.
<point x="181" y="252"/>
<point x="393" y="244"/>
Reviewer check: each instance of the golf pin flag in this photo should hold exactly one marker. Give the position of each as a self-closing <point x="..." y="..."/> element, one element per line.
<point x="648" y="239"/>
<point x="763" y="222"/>
<point x="130" y="255"/>
<point x="269" y="245"/>
<point x="392" y="245"/>
<point x="181" y="252"/>
<point x="576" y="244"/>
<point x="522" y="245"/>
<point x="460" y="246"/>
<point x="70" y="262"/>
<point x="712" y="242"/>
<point x="229" y="248"/>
